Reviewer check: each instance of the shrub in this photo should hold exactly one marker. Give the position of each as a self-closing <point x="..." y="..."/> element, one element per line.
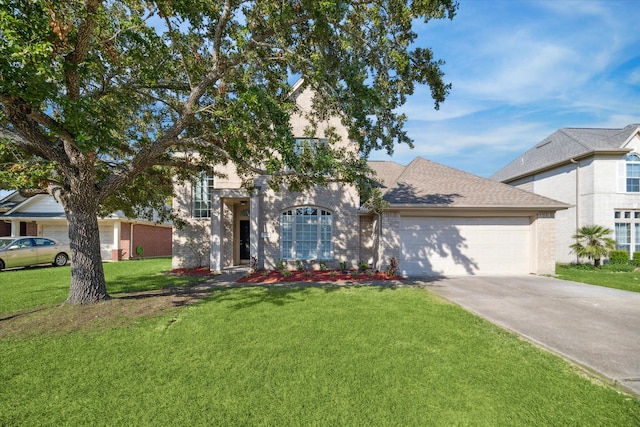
<point x="618" y="257"/>
<point x="581" y="266"/>
<point x="322" y="266"/>
<point x="619" y="267"/>
<point x="281" y="266"/>
<point x="299" y="265"/>
<point x="286" y="273"/>
<point x="636" y="259"/>
<point x="363" y="266"/>
<point x="392" y="267"/>
<point x="343" y="266"/>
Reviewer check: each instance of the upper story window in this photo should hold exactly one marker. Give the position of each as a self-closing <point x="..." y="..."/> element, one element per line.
<point x="633" y="173"/>
<point x="202" y="196"/>
<point x="308" y="144"/>
<point x="305" y="233"/>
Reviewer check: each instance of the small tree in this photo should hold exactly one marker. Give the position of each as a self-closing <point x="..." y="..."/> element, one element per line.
<point x="593" y="242"/>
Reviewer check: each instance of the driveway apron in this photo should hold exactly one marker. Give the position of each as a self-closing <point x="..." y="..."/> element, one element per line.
<point x="593" y="326"/>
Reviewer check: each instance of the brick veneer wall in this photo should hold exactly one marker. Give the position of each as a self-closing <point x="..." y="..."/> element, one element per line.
<point x="5" y="229"/>
<point x="125" y="240"/>
<point x="343" y="203"/>
<point x="367" y="238"/>
<point x="156" y="241"/>
<point x="32" y="229"/>
<point x="389" y="244"/>
<point x="545" y="237"/>
<point x="191" y="244"/>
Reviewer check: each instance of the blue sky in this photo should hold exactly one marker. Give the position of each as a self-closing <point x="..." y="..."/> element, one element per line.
<point x="520" y="70"/>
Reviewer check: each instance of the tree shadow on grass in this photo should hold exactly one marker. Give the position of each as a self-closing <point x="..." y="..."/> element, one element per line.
<point x="280" y="295"/>
<point x="150" y="282"/>
<point x="256" y="295"/>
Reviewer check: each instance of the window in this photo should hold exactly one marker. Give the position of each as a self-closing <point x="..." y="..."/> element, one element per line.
<point x="627" y="231"/>
<point x="312" y="144"/>
<point x="305" y="234"/>
<point x="202" y="196"/>
<point x="623" y="236"/>
<point x="44" y="242"/>
<point x="633" y="173"/>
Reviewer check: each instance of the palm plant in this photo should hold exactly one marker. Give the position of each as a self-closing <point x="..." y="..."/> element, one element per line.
<point x="593" y="242"/>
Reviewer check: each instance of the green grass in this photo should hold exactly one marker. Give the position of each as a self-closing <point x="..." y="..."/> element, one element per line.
<point x="610" y="276"/>
<point x="26" y="288"/>
<point x="301" y="356"/>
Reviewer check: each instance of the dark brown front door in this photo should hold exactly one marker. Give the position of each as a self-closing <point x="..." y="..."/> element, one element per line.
<point x="245" y="247"/>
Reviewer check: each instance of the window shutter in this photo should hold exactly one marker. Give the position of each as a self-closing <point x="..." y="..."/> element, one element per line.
<point x="622" y="176"/>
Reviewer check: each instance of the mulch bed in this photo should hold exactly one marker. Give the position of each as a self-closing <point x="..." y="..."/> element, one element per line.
<point x="198" y="271"/>
<point x="273" y="276"/>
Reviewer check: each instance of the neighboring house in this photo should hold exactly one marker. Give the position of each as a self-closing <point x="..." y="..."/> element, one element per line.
<point x="440" y="221"/>
<point x="42" y="216"/>
<point x="596" y="171"/>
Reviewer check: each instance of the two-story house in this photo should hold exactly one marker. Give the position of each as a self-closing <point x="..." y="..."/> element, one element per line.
<point x="439" y="221"/>
<point x="595" y="171"/>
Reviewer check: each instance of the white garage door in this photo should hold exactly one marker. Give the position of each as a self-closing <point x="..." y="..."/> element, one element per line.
<point x="61" y="232"/>
<point x="57" y="232"/>
<point x="464" y="246"/>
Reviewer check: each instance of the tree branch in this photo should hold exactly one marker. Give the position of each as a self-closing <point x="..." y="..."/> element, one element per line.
<point x="81" y="49"/>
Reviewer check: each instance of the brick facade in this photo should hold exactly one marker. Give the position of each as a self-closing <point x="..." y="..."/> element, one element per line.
<point x="155" y="241"/>
<point x="544" y="236"/>
<point x="5" y="229"/>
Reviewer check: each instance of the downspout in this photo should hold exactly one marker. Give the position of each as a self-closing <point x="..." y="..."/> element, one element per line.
<point x="378" y="242"/>
<point x="577" y="200"/>
<point x="131" y="247"/>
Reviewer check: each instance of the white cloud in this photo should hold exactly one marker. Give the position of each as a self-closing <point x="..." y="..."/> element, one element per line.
<point x="634" y="77"/>
<point x="521" y="70"/>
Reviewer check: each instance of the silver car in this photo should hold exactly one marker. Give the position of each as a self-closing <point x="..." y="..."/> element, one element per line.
<point x="25" y="251"/>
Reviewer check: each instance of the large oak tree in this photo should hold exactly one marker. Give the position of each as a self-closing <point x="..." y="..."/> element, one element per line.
<point x="99" y="96"/>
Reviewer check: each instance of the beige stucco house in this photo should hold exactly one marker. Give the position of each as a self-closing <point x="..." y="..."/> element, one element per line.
<point x="439" y="221"/>
<point x="595" y="171"/>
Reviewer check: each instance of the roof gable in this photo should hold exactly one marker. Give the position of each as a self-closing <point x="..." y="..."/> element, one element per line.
<point x="564" y="145"/>
<point x="424" y="183"/>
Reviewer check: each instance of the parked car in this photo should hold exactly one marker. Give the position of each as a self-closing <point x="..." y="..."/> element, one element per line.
<point x="26" y="251"/>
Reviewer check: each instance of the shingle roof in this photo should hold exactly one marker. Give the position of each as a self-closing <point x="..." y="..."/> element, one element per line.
<point x="563" y="145"/>
<point x="429" y="184"/>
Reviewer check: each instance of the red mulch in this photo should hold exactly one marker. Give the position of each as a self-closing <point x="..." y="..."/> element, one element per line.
<point x="274" y="276"/>
<point x="198" y="271"/>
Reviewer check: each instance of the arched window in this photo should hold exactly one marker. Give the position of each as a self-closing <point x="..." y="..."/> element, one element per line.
<point x="633" y="173"/>
<point x="305" y="233"/>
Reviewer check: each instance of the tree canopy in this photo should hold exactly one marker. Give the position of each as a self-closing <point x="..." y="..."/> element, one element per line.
<point x="98" y="96"/>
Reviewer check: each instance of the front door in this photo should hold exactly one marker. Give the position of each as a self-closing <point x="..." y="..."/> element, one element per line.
<point x="245" y="247"/>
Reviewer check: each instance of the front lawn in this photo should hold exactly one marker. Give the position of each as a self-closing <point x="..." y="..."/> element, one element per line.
<point x="352" y="355"/>
<point x="26" y="288"/>
<point x="610" y="276"/>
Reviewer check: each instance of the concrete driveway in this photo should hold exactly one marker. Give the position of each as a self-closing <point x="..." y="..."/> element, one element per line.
<point x="593" y="326"/>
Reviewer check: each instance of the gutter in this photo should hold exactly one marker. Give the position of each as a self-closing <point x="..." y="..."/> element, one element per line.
<point x="568" y="161"/>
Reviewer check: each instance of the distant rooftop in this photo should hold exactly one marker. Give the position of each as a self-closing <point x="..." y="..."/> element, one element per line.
<point x="563" y="145"/>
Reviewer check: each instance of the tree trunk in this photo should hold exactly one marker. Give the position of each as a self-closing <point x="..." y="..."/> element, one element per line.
<point x="87" y="275"/>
